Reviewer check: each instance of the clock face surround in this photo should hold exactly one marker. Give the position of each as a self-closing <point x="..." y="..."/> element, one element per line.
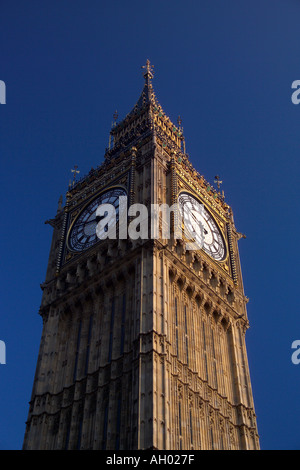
<point x="82" y="234"/>
<point x="200" y="226"/>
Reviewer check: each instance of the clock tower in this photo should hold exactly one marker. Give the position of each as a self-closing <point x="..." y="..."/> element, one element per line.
<point x="143" y="342"/>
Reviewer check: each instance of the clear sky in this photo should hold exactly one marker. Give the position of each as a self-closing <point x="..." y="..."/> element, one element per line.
<point x="226" y="68"/>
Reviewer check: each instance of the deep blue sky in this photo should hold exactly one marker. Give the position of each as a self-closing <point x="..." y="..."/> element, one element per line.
<point x="227" y="69"/>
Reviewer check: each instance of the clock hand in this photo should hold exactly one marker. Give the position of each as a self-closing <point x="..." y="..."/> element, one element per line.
<point x="97" y="219"/>
<point x="196" y="220"/>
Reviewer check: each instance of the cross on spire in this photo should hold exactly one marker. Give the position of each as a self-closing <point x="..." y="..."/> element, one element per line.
<point x="148" y="74"/>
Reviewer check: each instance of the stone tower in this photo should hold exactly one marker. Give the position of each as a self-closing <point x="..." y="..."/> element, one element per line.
<point x="143" y="342"/>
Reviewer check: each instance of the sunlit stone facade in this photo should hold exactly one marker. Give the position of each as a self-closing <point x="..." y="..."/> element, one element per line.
<point x="143" y="342"/>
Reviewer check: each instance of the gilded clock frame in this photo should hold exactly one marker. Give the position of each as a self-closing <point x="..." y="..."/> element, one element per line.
<point x="221" y="230"/>
<point x="85" y="205"/>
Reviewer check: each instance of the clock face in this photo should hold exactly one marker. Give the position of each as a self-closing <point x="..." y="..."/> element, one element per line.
<point x="83" y="234"/>
<point x="200" y="226"/>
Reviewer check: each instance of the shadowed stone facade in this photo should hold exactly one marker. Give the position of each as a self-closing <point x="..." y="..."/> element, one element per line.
<point x="143" y="342"/>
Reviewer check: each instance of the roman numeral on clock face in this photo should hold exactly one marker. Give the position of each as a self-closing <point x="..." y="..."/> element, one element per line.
<point x="82" y="234"/>
<point x="193" y="213"/>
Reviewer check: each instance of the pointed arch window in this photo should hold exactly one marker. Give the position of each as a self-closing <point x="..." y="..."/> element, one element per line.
<point x="105" y="424"/>
<point x="77" y="351"/>
<point x="123" y="324"/>
<point x="111" y="331"/>
<point x="186" y="336"/>
<point x="88" y="346"/>
<point x="176" y="327"/>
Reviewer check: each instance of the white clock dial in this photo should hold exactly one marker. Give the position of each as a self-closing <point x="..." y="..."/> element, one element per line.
<point x="200" y="225"/>
<point x="83" y="234"/>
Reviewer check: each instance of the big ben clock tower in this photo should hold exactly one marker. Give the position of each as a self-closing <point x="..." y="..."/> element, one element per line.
<point x="143" y="342"/>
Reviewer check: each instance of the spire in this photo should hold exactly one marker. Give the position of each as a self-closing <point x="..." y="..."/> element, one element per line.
<point x="147" y="96"/>
<point x="148" y="107"/>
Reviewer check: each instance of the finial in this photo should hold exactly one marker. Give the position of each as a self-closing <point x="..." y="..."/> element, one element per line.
<point x="60" y="203"/>
<point x="113" y="124"/>
<point x="179" y="122"/>
<point x="148" y="75"/>
<point x="217" y="180"/>
<point x="75" y="171"/>
<point x="115" y="116"/>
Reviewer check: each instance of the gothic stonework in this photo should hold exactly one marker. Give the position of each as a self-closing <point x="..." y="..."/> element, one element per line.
<point x="143" y="342"/>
